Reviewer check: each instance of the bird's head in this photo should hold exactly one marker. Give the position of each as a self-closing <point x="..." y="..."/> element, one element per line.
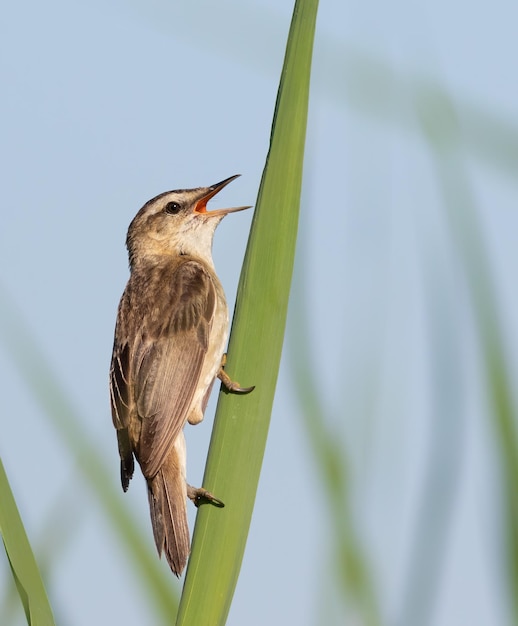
<point x="175" y="223"/>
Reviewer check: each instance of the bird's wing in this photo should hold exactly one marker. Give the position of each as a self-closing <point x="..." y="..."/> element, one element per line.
<point x="169" y="361"/>
<point x="120" y="400"/>
<point x="119" y="388"/>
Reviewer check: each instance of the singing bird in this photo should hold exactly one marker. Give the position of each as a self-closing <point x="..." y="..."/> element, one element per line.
<point x="170" y="338"/>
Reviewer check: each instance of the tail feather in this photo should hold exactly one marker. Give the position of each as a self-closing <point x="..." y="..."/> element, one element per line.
<point x="167" y="493"/>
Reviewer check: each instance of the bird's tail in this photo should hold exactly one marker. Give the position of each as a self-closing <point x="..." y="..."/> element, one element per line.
<point x="167" y="493"/>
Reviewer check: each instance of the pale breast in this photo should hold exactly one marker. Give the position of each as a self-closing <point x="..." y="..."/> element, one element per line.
<point x="216" y="348"/>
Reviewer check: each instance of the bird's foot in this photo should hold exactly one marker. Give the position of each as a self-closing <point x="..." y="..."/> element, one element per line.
<point x="199" y="495"/>
<point x="230" y="384"/>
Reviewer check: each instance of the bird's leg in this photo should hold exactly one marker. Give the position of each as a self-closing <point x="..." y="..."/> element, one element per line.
<point x="230" y="384"/>
<point x="199" y="495"/>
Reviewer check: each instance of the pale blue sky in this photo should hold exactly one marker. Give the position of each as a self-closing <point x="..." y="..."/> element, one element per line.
<point x="105" y="105"/>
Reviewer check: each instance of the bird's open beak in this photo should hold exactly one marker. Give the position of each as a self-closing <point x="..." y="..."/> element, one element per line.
<point x="201" y="205"/>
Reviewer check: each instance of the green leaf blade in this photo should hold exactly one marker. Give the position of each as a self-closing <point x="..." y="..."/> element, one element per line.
<point x="21" y="558"/>
<point x="241" y="425"/>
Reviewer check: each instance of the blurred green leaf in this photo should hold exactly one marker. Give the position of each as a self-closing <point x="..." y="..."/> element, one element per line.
<point x="446" y="439"/>
<point x="440" y="125"/>
<point x="52" y="399"/>
<point x="344" y="74"/>
<point x="352" y="580"/>
<point x="23" y="564"/>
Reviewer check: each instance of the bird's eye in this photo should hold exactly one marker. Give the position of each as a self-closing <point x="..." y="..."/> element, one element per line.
<point x="172" y="208"/>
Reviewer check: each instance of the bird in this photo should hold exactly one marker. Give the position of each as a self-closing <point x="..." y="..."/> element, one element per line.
<point x="169" y="347"/>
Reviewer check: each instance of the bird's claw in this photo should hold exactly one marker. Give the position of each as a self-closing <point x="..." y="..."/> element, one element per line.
<point x="199" y="495"/>
<point x="230" y="384"/>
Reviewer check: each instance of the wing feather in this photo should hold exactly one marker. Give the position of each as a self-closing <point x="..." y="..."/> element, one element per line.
<point x="162" y="336"/>
<point x="169" y="367"/>
<point x="120" y="403"/>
